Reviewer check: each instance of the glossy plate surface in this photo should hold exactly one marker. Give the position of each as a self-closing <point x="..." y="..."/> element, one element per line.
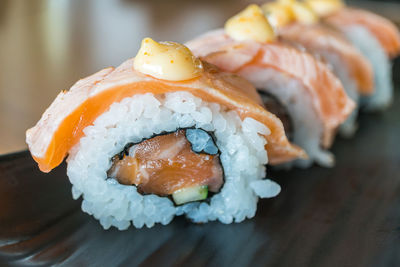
<point x="345" y="216"/>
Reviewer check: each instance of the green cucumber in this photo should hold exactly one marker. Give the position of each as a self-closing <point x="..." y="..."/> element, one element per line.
<point x="190" y="194"/>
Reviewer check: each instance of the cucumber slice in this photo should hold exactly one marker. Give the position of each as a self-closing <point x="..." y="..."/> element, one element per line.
<point x="190" y="194"/>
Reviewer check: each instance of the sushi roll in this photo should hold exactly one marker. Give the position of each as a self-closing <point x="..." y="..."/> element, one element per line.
<point x="304" y="30"/>
<point x="376" y="37"/>
<point x="163" y="134"/>
<point x="304" y="88"/>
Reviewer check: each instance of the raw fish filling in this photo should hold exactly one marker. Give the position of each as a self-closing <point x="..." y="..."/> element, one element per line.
<point x="184" y="164"/>
<point x="273" y="105"/>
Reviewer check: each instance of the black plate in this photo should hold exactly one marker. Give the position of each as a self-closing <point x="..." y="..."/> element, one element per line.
<point x="345" y="216"/>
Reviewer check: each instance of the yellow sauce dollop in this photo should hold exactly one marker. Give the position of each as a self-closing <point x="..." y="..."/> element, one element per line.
<point x="250" y="24"/>
<point x="283" y="12"/>
<point x="303" y="13"/>
<point x="325" y="7"/>
<point x="278" y="14"/>
<point x="167" y="61"/>
<point x="286" y="2"/>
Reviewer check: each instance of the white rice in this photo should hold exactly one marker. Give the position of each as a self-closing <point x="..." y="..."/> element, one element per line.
<point x="372" y="49"/>
<point x="242" y="155"/>
<point x="307" y="126"/>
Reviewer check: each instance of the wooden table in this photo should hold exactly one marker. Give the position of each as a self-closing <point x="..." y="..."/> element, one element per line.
<point x="45" y="46"/>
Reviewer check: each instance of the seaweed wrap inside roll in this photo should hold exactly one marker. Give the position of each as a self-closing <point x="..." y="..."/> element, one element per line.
<point x="163" y="134"/>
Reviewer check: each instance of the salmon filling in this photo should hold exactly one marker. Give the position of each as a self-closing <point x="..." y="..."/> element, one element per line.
<point x="166" y="164"/>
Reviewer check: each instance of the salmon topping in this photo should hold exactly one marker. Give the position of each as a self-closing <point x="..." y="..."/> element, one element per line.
<point x="381" y="28"/>
<point x="62" y="124"/>
<point x="165" y="164"/>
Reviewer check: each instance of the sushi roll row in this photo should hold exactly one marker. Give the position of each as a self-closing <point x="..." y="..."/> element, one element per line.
<point x="312" y="96"/>
<point x="188" y="129"/>
<point x="299" y="54"/>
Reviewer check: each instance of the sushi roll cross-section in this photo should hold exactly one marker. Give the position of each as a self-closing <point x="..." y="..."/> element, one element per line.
<point x="163" y="134"/>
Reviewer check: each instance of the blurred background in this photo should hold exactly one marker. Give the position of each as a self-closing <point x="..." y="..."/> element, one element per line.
<point x="46" y="46"/>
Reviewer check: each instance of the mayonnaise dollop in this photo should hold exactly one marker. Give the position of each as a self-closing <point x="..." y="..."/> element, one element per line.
<point x="250" y="24"/>
<point x="167" y="61"/>
<point x="304" y="13"/>
<point x="325" y="7"/>
<point x="278" y="14"/>
<point x="283" y="12"/>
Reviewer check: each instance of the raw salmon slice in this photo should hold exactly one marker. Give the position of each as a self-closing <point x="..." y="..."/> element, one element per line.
<point x="327" y="93"/>
<point x="62" y="124"/>
<point x="383" y="29"/>
<point x="321" y="40"/>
